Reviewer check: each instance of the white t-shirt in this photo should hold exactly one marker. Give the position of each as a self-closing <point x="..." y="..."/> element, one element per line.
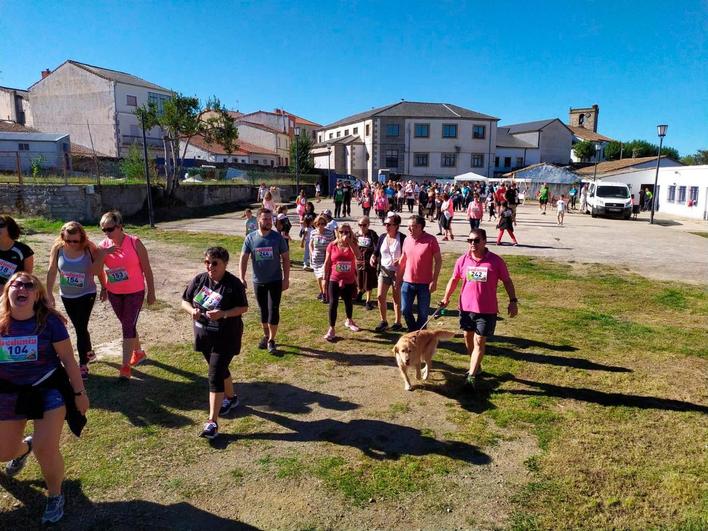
<point x="390" y="252"/>
<point x="560" y="205"/>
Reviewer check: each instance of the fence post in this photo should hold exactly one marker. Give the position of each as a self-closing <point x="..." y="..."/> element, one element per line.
<point x="18" y="164"/>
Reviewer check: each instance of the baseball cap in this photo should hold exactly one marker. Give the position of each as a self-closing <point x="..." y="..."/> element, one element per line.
<point x="327" y="212"/>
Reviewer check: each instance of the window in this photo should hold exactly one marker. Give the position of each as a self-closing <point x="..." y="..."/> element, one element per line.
<point x="331" y="135"/>
<point x="392" y="158"/>
<point x="23" y="147"/>
<point x="672" y="194"/>
<point x="682" y="194"/>
<point x="226" y="159"/>
<point x="519" y="162"/>
<point x="496" y="162"/>
<point x="368" y="129"/>
<point x="339" y="133"/>
<point x="693" y="194"/>
<point x="420" y="159"/>
<point x="392" y="130"/>
<point x="319" y="138"/>
<point x="355" y="131"/>
<point x="65" y="149"/>
<point x="478" y="131"/>
<point x="272" y="162"/>
<point x="478" y="160"/>
<point x="131" y="101"/>
<point x="449" y="131"/>
<point x="448" y="160"/>
<point x="346" y="132"/>
<point x="158" y="100"/>
<point x="255" y="161"/>
<point x="507" y="162"/>
<point x="422" y="131"/>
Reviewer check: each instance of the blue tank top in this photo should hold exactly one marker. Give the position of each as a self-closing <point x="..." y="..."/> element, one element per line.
<point x="75" y="277"/>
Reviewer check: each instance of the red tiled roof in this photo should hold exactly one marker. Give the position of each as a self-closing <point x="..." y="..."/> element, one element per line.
<point x="587" y="134"/>
<point x="79" y="150"/>
<point x="6" y="126"/>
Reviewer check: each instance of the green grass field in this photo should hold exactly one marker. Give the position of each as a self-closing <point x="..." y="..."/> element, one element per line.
<point x="603" y="372"/>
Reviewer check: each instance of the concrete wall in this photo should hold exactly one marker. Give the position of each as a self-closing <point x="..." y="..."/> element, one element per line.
<point x="555" y="143"/>
<point x="88" y="203"/>
<point x="71" y="96"/>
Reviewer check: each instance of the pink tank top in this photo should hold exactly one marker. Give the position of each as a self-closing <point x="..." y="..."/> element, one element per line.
<point x="123" y="270"/>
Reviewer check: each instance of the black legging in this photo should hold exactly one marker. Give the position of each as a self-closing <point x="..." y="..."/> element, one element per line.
<point x="79" y="311"/>
<point x="347" y="293"/>
<point x="268" y="297"/>
<point x="337" y="209"/>
<point x="347" y="206"/>
<point x="218" y="369"/>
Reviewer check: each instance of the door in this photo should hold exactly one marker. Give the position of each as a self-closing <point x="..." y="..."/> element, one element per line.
<point x="705" y="207"/>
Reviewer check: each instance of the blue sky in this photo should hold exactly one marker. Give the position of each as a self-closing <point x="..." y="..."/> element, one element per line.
<point x="644" y="62"/>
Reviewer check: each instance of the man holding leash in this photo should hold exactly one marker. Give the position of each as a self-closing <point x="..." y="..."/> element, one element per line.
<point x="480" y="271"/>
<point x="267" y="249"/>
<point x="418" y="270"/>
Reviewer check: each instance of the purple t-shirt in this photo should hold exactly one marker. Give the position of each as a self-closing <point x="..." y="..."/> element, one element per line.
<point x="27" y="355"/>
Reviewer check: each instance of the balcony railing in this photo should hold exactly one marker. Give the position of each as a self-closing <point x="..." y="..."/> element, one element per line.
<point x="153" y="143"/>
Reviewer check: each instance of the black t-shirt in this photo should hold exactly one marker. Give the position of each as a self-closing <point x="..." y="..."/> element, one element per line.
<point x="511" y="196"/>
<point x="13" y="260"/>
<point x="222" y="336"/>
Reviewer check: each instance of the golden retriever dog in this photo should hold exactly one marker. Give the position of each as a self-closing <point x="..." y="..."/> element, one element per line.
<point x="415" y="348"/>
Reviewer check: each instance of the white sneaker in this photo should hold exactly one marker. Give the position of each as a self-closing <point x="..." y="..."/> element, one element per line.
<point x="351" y="325"/>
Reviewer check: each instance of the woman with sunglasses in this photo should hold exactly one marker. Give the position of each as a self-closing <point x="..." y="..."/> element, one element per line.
<point x="73" y="258"/>
<point x="366" y="240"/>
<point x="39" y="380"/>
<point x="320" y="239"/>
<point x="340" y="276"/>
<point x="14" y="256"/>
<point x="216" y="300"/>
<point x="386" y="256"/>
<point x="127" y="272"/>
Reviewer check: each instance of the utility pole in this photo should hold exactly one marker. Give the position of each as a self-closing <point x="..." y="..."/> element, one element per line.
<point x="151" y="219"/>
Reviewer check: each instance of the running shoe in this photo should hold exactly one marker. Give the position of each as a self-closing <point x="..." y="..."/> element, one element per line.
<point x="351" y="325"/>
<point x="370" y="305"/>
<point x="320" y="296"/>
<point x="84" y="372"/>
<point x="54" y="511"/>
<point x="271" y="347"/>
<point x="396" y="327"/>
<point x="263" y="343"/>
<point x="14" y="467"/>
<point x="471" y="382"/>
<point x="210" y="431"/>
<point x="227" y="405"/>
<point x="383" y="325"/>
<point x="329" y="336"/>
<point x="124" y="372"/>
<point x="137" y="357"/>
<point x="91" y="356"/>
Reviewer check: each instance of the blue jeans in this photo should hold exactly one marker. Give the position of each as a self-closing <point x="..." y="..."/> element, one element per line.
<point x="409" y="292"/>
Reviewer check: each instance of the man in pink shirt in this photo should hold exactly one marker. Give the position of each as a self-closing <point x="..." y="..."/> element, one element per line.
<point x="480" y="271"/>
<point x="418" y="269"/>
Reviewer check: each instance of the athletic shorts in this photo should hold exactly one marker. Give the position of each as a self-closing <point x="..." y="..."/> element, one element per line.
<point x="52" y="400"/>
<point x="482" y="324"/>
<point x="543" y="201"/>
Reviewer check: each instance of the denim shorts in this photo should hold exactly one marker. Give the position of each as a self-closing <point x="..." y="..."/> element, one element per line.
<point x="52" y="400"/>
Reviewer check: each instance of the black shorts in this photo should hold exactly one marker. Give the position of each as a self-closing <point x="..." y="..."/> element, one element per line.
<point x="543" y="201"/>
<point x="482" y="324"/>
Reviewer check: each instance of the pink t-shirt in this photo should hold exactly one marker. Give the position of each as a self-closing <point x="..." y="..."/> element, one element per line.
<point x="343" y="264"/>
<point x="123" y="270"/>
<point x="475" y="210"/>
<point x="419" y="258"/>
<point x="479" y="281"/>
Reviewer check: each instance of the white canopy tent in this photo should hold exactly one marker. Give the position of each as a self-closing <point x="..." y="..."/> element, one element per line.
<point x="470" y="176"/>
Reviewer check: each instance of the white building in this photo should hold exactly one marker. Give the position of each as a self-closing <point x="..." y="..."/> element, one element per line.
<point x="513" y="153"/>
<point x="411" y="139"/>
<point x="15" y="106"/>
<point x="552" y="138"/>
<point x="50" y="150"/>
<point x="268" y="138"/>
<point x="96" y="106"/>
<point x="245" y="153"/>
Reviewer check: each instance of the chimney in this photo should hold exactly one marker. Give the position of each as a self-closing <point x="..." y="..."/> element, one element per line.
<point x="45" y="73"/>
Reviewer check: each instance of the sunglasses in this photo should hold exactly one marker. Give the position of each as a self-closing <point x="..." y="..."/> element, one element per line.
<point x="72" y="241"/>
<point x="17" y="284"/>
<point x="212" y="263"/>
<point x="363" y="224"/>
<point x="474" y="240"/>
<point x="109" y="229"/>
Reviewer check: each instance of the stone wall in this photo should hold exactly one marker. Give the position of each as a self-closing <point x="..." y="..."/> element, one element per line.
<point x="87" y="203"/>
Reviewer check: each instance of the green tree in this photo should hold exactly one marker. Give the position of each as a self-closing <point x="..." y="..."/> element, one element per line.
<point x="584" y="150"/>
<point x="181" y="119"/>
<point x="613" y="150"/>
<point x="700" y="157"/>
<point x="300" y="154"/>
<point x="133" y="167"/>
<point x="638" y="148"/>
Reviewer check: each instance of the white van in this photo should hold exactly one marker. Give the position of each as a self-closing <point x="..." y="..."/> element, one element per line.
<point x="609" y="199"/>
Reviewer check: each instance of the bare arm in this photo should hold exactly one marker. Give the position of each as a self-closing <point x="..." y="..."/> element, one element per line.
<point x="243" y="266"/>
<point x="28" y="264"/>
<point x="327" y="266"/>
<point x="52" y="273"/>
<point x="513" y="306"/>
<point x="450" y="289"/>
<point x="401" y="268"/>
<point x="436" y="271"/>
<point x="147" y="270"/>
<point x="66" y="355"/>
<point x="286" y="270"/>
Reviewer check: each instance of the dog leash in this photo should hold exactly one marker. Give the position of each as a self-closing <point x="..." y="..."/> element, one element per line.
<point x="434" y="315"/>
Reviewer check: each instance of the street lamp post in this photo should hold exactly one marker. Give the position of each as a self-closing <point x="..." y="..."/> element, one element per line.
<point x="597" y="159"/>
<point x="661" y="131"/>
<point x="297" y="160"/>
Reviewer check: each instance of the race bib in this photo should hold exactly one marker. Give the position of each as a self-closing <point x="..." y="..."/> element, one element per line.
<point x="343" y="267"/>
<point x="363" y="241"/>
<point x="7" y="269"/>
<point x="69" y="279"/>
<point x="208" y="298"/>
<point x="18" y="349"/>
<point x="119" y="274"/>
<point x="263" y="253"/>
<point x="476" y="274"/>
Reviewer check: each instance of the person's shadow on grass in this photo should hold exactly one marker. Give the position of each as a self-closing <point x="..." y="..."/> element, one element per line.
<point x="81" y="513"/>
<point x="375" y="438"/>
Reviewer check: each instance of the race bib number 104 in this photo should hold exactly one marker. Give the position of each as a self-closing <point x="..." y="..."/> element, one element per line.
<point x="18" y="349"/>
